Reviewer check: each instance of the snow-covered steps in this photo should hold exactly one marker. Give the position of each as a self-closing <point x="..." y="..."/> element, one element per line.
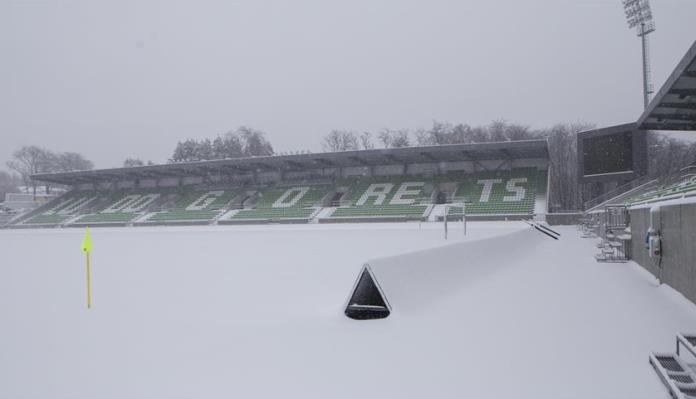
<point x="677" y="376"/>
<point x="540" y="206"/>
<point x="141" y="218"/>
<point x="325" y="212"/>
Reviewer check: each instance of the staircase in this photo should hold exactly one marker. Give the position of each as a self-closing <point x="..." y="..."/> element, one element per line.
<point x="323" y="213"/>
<point x="678" y="376"/>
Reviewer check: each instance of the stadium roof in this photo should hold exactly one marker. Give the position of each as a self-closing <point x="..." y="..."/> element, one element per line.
<point x="674" y="106"/>
<point x="426" y="154"/>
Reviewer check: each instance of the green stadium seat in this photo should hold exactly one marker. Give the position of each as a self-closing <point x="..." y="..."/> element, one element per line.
<point x="285" y="203"/>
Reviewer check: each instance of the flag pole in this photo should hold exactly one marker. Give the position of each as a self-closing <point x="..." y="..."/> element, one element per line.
<point x="87" y="249"/>
<point x="89" y="288"/>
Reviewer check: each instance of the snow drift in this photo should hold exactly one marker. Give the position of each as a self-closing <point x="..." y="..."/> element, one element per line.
<point x="416" y="280"/>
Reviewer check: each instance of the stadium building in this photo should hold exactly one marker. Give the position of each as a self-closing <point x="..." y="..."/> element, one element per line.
<point x="506" y="180"/>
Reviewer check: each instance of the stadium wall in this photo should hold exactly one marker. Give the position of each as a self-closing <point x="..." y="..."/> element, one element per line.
<point x="566" y="218"/>
<point x="678" y="232"/>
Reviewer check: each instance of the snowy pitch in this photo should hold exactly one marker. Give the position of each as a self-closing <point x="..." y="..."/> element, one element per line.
<point x="257" y="312"/>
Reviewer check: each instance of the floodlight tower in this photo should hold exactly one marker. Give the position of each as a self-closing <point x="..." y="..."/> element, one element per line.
<point x="639" y="16"/>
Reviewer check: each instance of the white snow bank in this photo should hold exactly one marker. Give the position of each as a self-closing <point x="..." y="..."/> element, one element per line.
<point x="416" y="280"/>
<point x="257" y="312"/>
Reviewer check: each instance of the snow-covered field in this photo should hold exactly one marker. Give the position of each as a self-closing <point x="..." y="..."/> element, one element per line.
<point x="257" y="312"/>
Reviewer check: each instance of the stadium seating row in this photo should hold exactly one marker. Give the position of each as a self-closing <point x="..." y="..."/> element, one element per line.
<point x="684" y="186"/>
<point x="510" y="192"/>
<point x="504" y="192"/>
<point x="285" y="202"/>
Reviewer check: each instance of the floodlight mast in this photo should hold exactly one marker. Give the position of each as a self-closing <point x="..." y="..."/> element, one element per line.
<point x="639" y="16"/>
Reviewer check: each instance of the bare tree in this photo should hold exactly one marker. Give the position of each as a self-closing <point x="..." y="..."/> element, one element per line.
<point x="366" y="141"/>
<point x="30" y="160"/>
<point x="70" y="161"/>
<point x="496" y="130"/>
<point x="563" y="166"/>
<point x="204" y="150"/>
<point x="400" y="139"/>
<point x="254" y="142"/>
<point x="439" y="133"/>
<point x="340" y="140"/>
<point x="228" y="146"/>
<point x="385" y="137"/>
<point x="667" y="155"/>
<point x="394" y="138"/>
<point x="461" y="134"/>
<point x="185" y="151"/>
<point x="422" y="137"/>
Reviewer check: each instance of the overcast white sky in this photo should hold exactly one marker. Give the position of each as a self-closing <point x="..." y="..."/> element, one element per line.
<point x="130" y="78"/>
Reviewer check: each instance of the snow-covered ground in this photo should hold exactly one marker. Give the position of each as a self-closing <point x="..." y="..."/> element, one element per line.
<point x="257" y="312"/>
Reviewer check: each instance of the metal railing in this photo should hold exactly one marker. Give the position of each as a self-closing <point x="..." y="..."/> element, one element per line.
<point x="641" y="182"/>
<point x="640" y="185"/>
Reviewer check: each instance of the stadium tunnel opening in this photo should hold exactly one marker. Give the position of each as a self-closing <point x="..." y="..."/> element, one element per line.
<point x="367" y="301"/>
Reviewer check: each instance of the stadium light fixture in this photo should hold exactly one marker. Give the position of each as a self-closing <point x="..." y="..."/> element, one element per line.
<point x="639" y="16"/>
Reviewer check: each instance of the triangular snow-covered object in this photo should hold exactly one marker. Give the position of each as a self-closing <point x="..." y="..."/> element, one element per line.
<point x="367" y="300"/>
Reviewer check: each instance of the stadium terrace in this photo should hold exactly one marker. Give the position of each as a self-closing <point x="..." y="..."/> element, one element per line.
<point x="503" y="180"/>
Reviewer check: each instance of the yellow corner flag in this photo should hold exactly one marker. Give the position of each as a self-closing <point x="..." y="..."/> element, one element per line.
<point x="87" y="241"/>
<point x="87" y="248"/>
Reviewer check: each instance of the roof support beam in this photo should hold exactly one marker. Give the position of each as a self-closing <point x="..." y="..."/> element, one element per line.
<point x="671" y="117"/>
<point x="293" y="164"/>
<point x="678" y="105"/>
<point x="324" y="161"/>
<point x="256" y="166"/>
<point x="428" y="156"/>
<point x="473" y="159"/>
<point x="669" y="126"/>
<point x="359" y="160"/>
<point x="467" y="155"/>
<point x="393" y="158"/>
<point x="232" y="169"/>
<point x="683" y="93"/>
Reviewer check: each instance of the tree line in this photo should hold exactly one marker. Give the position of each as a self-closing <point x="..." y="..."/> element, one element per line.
<point x="243" y="142"/>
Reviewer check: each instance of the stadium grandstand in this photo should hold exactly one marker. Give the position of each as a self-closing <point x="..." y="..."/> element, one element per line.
<point x="672" y="109"/>
<point x="505" y="180"/>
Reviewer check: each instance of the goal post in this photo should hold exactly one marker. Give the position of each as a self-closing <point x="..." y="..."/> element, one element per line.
<point x="462" y="206"/>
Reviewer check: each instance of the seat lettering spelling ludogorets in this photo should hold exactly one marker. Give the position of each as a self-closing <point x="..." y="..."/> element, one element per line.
<point x="290" y="197"/>
<point x="204" y="201"/>
<point x="511" y="187"/>
<point x="380" y="191"/>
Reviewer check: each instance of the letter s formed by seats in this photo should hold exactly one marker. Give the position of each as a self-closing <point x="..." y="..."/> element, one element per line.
<point x="511" y="187"/>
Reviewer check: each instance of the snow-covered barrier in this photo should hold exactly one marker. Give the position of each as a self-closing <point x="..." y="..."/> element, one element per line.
<point x="414" y="281"/>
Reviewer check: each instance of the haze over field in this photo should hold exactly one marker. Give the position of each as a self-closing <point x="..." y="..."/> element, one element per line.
<point x="99" y="78"/>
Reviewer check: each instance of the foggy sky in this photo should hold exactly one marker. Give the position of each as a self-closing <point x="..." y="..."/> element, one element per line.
<point x="130" y="78"/>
